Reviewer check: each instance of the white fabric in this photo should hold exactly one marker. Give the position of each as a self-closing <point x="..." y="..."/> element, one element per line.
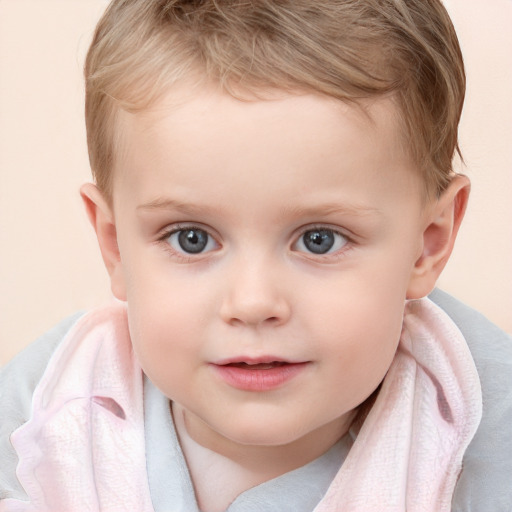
<point x="83" y="448"/>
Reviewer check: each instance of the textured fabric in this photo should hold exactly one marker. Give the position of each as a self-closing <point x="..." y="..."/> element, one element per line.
<point x="18" y="379"/>
<point x="425" y="416"/>
<point x="83" y="447"/>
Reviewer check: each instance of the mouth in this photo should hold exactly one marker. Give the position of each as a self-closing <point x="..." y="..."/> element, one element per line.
<point x="258" y="374"/>
<point x="258" y="366"/>
<point x="256" y="361"/>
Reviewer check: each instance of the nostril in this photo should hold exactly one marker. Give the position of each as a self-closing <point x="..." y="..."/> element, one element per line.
<point x="254" y="307"/>
<point x="269" y="321"/>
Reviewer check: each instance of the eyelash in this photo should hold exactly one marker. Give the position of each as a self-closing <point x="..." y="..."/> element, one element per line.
<point x="164" y="236"/>
<point x="328" y="257"/>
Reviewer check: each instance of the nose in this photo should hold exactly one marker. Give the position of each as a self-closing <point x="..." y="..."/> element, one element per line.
<point x="255" y="296"/>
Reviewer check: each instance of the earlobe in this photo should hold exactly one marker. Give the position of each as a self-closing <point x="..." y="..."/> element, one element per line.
<point x="102" y="219"/>
<point x="439" y="236"/>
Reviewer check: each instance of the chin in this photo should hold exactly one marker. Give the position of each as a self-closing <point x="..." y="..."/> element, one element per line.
<point x="268" y="434"/>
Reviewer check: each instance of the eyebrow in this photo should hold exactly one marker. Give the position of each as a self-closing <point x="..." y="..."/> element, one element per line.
<point x="326" y="209"/>
<point x="322" y="209"/>
<point x="173" y="205"/>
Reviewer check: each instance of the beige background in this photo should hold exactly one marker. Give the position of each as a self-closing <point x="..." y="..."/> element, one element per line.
<point x="49" y="263"/>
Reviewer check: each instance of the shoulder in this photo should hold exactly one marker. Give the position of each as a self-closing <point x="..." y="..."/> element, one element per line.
<point x="480" y="333"/>
<point x="18" y="380"/>
<point x="484" y="483"/>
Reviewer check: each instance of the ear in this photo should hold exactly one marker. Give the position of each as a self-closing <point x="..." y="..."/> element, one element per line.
<point x="102" y="219"/>
<point x="442" y="225"/>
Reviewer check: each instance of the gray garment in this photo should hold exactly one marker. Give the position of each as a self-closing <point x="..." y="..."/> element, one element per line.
<point x="485" y="484"/>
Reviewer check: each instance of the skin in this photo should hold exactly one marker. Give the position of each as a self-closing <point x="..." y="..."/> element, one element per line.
<point x="255" y="176"/>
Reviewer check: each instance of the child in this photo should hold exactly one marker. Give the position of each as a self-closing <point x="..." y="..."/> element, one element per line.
<point x="274" y="200"/>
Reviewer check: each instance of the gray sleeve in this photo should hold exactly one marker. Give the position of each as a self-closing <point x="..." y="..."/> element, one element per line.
<point x="18" y="379"/>
<point x="485" y="484"/>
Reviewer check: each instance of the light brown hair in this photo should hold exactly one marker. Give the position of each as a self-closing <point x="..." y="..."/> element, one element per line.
<point x="346" y="49"/>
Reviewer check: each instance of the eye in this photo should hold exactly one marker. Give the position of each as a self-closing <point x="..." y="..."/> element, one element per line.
<point x="191" y="241"/>
<point x="321" y="241"/>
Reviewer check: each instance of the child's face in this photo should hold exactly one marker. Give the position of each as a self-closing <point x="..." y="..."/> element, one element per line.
<point x="266" y="250"/>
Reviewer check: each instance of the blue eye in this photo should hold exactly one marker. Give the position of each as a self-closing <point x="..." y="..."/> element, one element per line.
<point x="321" y="241"/>
<point x="191" y="241"/>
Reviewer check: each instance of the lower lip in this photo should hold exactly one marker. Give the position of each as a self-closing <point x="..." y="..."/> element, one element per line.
<point x="259" y="380"/>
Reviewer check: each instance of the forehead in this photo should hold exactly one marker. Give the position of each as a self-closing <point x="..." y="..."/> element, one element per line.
<point x="184" y="106"/>
<point x="214" y="135"/>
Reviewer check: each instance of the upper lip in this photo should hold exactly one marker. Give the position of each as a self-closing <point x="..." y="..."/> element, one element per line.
<point x="255" y="360"/>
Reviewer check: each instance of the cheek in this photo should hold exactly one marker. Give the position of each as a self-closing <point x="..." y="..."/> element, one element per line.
<point x="166" y="355"/>
<point x="369" y="342"/>
<point x="166" y="304"/>
<point x="361" y="305"/>
<point x="358" y="327"/>
<point x="164" y="327"/>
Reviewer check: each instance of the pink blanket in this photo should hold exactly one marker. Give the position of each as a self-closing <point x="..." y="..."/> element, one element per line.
<point x="84" y="449"/>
